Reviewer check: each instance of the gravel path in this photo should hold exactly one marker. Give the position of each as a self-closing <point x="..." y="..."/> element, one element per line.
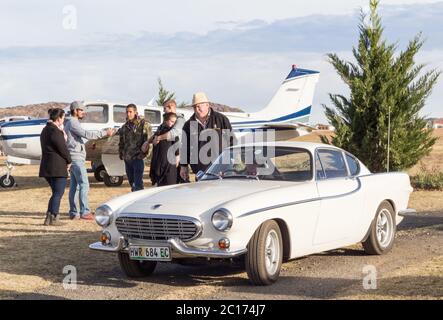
<point x="414" y="269"/>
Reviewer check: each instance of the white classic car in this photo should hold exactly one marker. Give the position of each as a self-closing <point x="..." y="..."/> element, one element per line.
<point x="263" y="204"/>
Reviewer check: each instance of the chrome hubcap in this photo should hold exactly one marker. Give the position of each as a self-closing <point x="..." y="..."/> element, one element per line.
<point x="114" y="179"/>
<point x="384" y="228"/>
<point x="272" y="252"/>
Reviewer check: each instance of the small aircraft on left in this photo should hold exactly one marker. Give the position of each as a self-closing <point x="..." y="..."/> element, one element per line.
<point x="286" y="116"/>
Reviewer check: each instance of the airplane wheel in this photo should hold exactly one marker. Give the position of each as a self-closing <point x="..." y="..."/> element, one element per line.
<point x="6" y="182"/>
<point x="99" y="173"/>
<point x="112" y="181"/>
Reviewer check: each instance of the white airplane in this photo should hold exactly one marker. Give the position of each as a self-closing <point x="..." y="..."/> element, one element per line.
<point x="14" y="118"/>
<point x="287" y="114"/>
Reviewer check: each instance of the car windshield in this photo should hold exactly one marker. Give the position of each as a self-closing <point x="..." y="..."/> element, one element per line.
<point x="262" y="163"/>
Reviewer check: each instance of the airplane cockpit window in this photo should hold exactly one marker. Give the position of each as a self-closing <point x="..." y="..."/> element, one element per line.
<point x="153" y="116"/>
<point x="119" y="113"/>
<point x="96" y="113"/>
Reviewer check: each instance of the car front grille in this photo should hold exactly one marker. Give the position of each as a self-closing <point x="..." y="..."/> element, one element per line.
<point x="149" y="227"/>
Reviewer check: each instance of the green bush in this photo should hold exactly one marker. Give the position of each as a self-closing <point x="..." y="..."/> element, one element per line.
<point x="426" y="180"/>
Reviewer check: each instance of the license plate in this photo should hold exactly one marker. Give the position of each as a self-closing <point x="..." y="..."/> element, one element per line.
<point x="150" y="253"/>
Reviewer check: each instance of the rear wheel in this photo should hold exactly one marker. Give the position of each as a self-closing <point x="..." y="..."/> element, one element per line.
<point x="7" y="182"/>
<point x="135" y="268"/>
<point x="112" y="181"/>
<point x="265" y="254"/>
<point x="382" y="233"/>
<point x="99" y="173"/>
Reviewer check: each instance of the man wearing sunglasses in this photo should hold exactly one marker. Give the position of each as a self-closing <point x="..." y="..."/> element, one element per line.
<point x="76" y="146"/>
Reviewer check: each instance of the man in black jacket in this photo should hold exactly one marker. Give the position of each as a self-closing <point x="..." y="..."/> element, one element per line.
<point x="208" y="131"/>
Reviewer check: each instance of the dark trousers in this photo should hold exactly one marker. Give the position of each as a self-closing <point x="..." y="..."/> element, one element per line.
<point x="58" y="186"/>
<point x="134" y="171"/>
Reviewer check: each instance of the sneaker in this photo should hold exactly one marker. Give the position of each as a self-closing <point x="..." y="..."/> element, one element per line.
<point x="74" y="217"/>
<point x="87" y="216"/>
<point x="48" y="219"/>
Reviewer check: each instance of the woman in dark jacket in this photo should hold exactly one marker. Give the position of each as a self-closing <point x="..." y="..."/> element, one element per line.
<point x="163" y="172"/>
<point x="54" y="162"/>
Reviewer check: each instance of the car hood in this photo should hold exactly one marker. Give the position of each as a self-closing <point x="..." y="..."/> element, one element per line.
<point x="192" y="199"/>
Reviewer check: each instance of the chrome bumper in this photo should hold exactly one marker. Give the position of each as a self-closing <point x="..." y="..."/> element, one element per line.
<point x="406" y="212"/>
<point x="178" y="247"/>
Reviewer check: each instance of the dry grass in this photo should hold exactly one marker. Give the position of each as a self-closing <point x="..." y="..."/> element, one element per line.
<point x="33" y="255"/>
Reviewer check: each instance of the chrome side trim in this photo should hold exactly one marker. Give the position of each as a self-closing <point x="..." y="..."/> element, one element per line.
<point x="304" y="201"/>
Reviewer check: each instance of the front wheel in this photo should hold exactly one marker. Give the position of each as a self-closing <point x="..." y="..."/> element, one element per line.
<point x="135" y="268"/>
<point x="7" y="182"/>
<point x="382" y="233"/>
<point x="265" y="254"/>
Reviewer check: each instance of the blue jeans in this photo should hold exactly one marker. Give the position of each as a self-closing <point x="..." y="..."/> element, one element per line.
<point x="134" y="171"/>
<point x="58" y="186"/>
<point x="79" y="185"/>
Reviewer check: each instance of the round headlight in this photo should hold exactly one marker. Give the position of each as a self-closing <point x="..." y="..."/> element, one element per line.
<point x="103" y="215"/>
<point x="222" y="220"/>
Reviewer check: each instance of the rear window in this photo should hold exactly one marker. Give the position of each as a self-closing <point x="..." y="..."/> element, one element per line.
<point x="332" y="163"/>
<point x="353" y="165"/>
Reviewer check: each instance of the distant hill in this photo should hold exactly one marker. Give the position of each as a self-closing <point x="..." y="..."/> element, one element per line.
<point x="40" y="110"/>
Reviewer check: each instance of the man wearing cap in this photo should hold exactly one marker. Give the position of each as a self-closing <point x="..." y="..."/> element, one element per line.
<point x="203" y="119"/>
<point x="76" y="147"/>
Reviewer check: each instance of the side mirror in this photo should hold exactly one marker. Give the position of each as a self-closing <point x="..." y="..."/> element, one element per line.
<point x="199" y="175"/>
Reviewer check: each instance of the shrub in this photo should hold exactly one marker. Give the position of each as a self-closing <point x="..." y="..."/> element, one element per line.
<point x="428" y="180"/>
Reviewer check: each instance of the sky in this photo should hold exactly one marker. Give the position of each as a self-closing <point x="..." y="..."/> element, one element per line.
<point x="238" y="52"/>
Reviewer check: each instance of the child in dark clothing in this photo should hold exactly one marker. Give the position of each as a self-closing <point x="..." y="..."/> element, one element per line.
<point x="162" y="171"/>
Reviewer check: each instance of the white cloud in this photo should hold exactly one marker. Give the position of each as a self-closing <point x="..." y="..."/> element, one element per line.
<point x="240" y="65"/>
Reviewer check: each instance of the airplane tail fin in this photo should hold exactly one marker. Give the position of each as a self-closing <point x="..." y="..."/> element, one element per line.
<point x="293" y="100"/>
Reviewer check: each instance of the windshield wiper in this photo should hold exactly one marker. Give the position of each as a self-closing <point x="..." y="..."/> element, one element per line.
<point x="219" y="176"/>
<point x="247" y="176"/>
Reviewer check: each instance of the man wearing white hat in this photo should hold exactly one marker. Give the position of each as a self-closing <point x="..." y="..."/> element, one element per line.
<point x="203" y="119"/>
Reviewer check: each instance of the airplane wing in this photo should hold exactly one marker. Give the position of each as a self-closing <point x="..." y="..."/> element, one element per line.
<point x="287" y="131"/>
<point x="105" y="150"/>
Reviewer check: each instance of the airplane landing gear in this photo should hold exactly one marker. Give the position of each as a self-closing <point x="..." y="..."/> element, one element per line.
<point x="116" y="181"/>
<point x="99" y="173"/>
<point x="7" y="181"/>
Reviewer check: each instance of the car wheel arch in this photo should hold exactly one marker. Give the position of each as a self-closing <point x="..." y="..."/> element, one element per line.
<point x="286" y="239"/>
<point x="391" y="203"/>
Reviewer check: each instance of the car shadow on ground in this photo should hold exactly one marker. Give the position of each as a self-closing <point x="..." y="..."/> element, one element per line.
<point x="422" y="220"/>
<point x="336" y="288"/>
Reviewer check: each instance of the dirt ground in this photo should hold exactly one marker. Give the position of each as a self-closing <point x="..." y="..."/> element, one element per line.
<point x="32" y="257"/>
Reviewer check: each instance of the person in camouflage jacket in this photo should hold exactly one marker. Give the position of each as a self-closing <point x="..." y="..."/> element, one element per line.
<point x="133" y="134"/>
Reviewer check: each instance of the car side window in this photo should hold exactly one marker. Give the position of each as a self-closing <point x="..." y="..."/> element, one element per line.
<point x="353" y="165"/>
<point x="333" y="163"/>
<point x="320" y="173"/>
